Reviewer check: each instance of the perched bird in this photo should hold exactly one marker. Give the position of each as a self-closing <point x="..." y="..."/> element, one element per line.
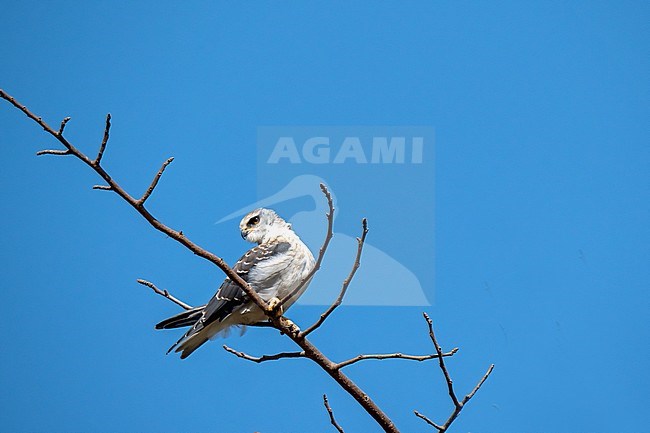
<point x="274" y="268"/>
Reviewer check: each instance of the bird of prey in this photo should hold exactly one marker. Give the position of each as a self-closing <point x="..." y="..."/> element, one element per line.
<point x="274" y="269"/>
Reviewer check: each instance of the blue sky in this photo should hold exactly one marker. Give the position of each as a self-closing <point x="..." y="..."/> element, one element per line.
<point x="542" y="241"/>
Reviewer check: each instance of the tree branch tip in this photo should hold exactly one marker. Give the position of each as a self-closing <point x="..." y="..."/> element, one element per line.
<point x="331" y="414"/>
<point x="428" y="421"/>
<point x="63" y="123"/>
<point x="102" y="146"/>
<point x="144" y="282"/>
<point x="154" y="183"/>
<point x="164" y="293"/>
<point x="53" y="152"/>
<point x="103" y="187"/>
<point x="325" y="190"/>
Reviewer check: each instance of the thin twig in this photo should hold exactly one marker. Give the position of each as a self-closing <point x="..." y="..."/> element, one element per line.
<point x="393" y="356"/>
<point x="427" y="420"/>
<point x="102" y="146"/>
<point x="103" y="187"/>
<point x="331" y="414"/>
<point x="321" y="253"/>
<point x="63" y="123"/>
<point x="443" y="367"/>
<point x="165" y="294"/>
<point x="264" y="358"/>
<point x="346" y="282"/>
<point x="53" y="152"/>
<point x="154" y="182"/>
<point x="458" y="405"/>
<point x="478" y="385"/>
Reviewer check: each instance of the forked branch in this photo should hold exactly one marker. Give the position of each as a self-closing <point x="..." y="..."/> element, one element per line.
<point x="458" y="405"/>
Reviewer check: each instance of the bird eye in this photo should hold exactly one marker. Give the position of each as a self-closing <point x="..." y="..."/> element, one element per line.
<point x="253" y="221"/>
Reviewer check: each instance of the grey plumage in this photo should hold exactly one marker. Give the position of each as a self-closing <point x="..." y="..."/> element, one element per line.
<point x="186" y="318"/>
<point x="273" y="268"/>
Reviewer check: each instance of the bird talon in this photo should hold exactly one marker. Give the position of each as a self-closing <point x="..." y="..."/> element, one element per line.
<point x="275" y="305"/>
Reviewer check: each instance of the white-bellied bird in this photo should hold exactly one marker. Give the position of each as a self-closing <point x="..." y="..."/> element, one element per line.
<point x="274" y="269"/>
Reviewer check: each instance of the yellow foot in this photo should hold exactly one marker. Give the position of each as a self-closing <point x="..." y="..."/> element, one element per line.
<point x="275" y="304"/>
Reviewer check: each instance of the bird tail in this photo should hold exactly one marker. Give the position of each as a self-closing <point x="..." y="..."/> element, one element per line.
<point x="197" y="335"/>
<point x="195" y="338"/>
<point x="188" y="345"/>
<point x="185" y="318"/>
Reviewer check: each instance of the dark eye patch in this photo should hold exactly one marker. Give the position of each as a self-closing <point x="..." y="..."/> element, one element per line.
<point x="253" y="221"/>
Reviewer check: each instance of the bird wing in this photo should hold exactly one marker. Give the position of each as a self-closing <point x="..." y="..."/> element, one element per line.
<point x="230" y="295"/>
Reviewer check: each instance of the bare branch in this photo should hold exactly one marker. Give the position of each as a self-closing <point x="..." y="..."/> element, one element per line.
<point x="102" y="146"/>
<point x="154" y="182"/>
<point x="331" y="414"/>
<point x="53" y="152"/>
<point x="264" y="358"/>
<point x="279" y="322"/>
<point x="427" y="420"/>
<point x="321" y="253"/>
<point x="103" y="187"/>
<point x="458" y="405"/>
<point x="381" y="356"/>
<point x="176" y="235"/>
<point x="63" y="123"/>
<point x="346" y="282"/>
<point x="478" y="385"/>
<point x="165" y="294"/>
<point x="450" y="384"/>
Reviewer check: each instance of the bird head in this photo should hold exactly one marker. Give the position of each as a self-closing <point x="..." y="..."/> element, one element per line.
<point x="262" y="225"/>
